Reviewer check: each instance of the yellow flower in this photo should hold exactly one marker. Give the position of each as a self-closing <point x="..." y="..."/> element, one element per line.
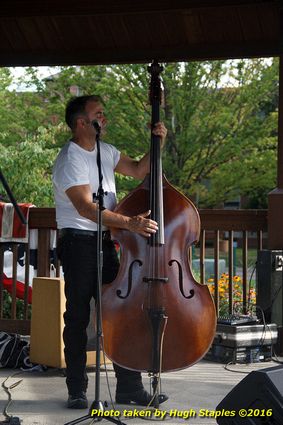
<point x="237" y="279"/>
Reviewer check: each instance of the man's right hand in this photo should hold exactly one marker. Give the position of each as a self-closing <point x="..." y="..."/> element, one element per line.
<point x="142" y="225"/>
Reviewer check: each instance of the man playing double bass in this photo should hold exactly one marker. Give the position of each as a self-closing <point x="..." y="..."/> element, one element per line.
<point x="75" y="179"/>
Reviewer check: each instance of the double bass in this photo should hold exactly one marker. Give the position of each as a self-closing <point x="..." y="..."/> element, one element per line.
<point x="156" y="316"/>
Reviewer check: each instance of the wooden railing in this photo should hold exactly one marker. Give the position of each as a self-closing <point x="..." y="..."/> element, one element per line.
<point x="246" y="227"/>
<point x="42" y="219"/>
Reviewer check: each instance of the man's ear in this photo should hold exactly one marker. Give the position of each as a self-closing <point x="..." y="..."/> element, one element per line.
<point x="80" y="123"/>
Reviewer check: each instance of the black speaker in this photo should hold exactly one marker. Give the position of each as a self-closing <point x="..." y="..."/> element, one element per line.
<point x="269" y="285"/>
<point x="260" y="395"/>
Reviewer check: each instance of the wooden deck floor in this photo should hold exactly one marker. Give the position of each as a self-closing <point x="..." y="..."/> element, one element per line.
<point x="41" y="397"/>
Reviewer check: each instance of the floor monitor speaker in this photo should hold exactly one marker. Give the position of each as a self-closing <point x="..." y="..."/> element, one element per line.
<point x="256" y="400"/>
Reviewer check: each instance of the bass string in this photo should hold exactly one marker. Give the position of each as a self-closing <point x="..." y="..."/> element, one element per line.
<point x="155" y="290"/>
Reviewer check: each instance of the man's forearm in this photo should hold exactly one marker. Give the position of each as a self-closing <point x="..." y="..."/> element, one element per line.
<point x="143" y="166"/>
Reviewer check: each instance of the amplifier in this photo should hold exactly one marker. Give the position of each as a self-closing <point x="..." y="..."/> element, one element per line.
<point x="222" y="354"/>
<point x="245" y="336"/>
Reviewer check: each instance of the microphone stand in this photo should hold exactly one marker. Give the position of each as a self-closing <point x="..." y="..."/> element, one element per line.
<point x="12" y="199"/>
<point x="97" y="404"/>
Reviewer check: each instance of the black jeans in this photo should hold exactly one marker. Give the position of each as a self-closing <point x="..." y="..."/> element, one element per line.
<point x="78" y="256"/>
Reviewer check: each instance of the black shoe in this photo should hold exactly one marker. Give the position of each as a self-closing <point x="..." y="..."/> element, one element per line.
<point x="77" y="401"/>
<point x="141" y="397"/>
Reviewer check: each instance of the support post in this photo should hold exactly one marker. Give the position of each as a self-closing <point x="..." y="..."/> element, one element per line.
<point x="275" y="198"/>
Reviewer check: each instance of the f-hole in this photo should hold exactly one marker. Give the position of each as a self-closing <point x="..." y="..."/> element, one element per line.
<point x="130" y="280"/>
<point x="181" y="282"/>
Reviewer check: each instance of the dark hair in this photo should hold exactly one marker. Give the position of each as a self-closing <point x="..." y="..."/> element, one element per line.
<point x="76" y="107"/>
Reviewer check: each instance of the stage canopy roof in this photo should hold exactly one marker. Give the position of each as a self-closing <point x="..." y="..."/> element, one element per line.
<point x="54" y="32"/>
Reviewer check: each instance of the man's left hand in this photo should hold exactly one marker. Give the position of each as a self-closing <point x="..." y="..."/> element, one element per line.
<point x="161" y="131"/>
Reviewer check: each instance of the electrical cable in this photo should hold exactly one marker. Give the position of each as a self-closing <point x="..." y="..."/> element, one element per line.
<point x="272" y="345"/>
<point x="249" y="287"/>
<point x="12" y="420"/>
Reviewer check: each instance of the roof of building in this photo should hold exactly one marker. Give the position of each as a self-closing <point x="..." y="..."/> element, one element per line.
<point x="50" y="32"/>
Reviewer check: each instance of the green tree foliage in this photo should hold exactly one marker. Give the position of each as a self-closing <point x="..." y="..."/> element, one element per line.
<point x="27" y="166"/>
<point x="222" y="140"/>
<point x="221" y="137"/>
<point x="21" y="113"/>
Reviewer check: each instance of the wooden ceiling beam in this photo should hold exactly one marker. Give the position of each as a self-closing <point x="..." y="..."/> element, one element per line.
<point x="21" y="8"/>
<point x="167" y="54"/>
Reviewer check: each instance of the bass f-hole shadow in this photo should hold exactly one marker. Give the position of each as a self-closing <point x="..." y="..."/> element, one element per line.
<point x="181" y="282"/>
<point x="130" y="280"/>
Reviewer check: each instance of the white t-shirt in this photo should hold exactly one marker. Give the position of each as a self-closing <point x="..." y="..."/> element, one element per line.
<point x="76" y="166"/>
